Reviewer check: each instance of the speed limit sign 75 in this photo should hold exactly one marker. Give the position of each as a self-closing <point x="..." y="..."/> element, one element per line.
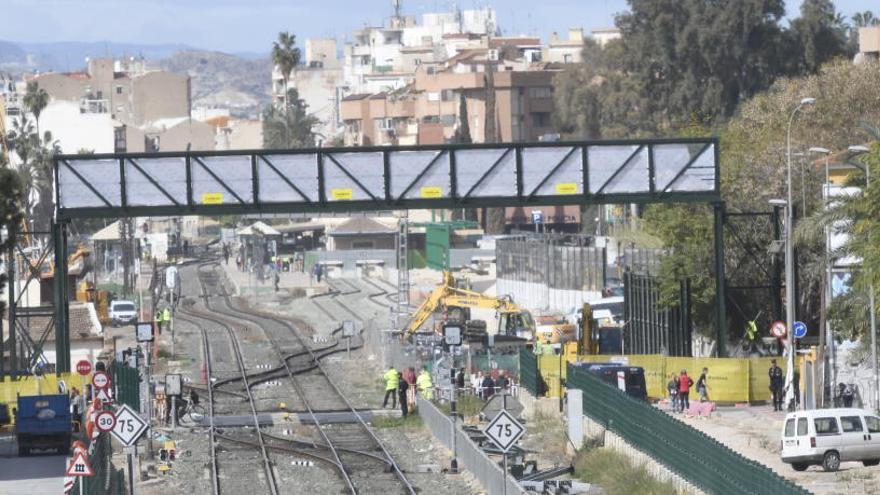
<point x="105" y="420"/>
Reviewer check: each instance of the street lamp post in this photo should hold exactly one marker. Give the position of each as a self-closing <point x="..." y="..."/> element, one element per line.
<point x="855" y="151"/>
<point x="789" y="260"/>
<point x="826" y="338"/>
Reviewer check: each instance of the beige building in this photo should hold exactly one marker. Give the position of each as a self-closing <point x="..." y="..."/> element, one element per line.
<point x="126" y="91"/>
<point x="565" y="51"/>
<point x="427" y="111"/>
<point x="869" y="43"/>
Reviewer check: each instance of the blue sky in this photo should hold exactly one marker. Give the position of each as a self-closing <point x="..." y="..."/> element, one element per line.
<point x="250" y="25"/>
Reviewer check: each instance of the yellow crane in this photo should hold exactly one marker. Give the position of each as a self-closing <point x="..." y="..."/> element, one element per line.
<point x="512" y="320"/>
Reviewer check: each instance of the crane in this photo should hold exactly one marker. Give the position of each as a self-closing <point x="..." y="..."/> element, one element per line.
<point x="512" y="320"/>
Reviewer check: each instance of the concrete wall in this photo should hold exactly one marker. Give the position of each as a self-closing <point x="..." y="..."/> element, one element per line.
<point x="62" y="87"/>
<point x="74" y="130"/>
<point x="538" y="296"/>
<point x="199" y="135"/>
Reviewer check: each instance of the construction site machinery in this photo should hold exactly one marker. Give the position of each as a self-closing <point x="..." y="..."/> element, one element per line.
<point x="512" y="320"/>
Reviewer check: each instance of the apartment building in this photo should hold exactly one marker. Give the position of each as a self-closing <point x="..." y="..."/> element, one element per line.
<point x="565" y="51"/>
<point x="427" y="111"/>
<point x="118" y="106"/>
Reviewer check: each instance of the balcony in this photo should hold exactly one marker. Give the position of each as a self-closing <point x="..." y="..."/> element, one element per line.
<point x="87" y="105"/>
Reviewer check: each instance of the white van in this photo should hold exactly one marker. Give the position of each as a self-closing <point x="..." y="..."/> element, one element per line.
<point x="827" y="437"/>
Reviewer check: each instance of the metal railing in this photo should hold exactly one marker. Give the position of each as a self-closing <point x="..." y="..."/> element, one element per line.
<point x="469" y="455"/>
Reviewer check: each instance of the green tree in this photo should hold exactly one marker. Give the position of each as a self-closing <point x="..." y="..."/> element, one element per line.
<point x="11" y="195"/>
<point x="34" y="171"/>
<point x="35" y="100"/>
<point x="288" y="129"/>
<point x="821" y="33"/>
<point x="463" y="133"/>
<point x="286" y="56"/>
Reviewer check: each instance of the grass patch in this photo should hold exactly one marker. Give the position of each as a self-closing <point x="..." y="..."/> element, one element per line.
<point x="164" y="353"/>
<point x="466" y="405"/>
<point x="412" y="421"/>
<point x="616" y="474"/>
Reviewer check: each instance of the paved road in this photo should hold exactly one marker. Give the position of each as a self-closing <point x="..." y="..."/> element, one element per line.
<point x="35" y="475"/>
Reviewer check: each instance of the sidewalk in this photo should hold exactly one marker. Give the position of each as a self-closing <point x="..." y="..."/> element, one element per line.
<point x="247" y="283"/>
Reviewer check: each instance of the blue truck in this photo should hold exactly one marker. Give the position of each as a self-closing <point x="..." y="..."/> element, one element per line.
<point x="43" y="422"/>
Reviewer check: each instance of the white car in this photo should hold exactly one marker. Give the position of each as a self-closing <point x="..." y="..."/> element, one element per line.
<point x="123" y="313"/>
<point x="827" y="437"/>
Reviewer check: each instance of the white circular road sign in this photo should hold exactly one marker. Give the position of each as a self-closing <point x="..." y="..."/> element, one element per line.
<point x="105" y="421"/>
<point x="100" y="379"/>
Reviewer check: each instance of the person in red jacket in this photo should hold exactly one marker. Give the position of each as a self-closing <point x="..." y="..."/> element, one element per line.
<point x="684" y="389"/>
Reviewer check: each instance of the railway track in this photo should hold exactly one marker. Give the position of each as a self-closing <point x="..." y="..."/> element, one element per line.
<point x="358" y="456"/>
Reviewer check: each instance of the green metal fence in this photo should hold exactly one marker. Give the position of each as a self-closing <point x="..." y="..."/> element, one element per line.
<point x="107" y="479"/>
<point x="686" y="451"/>
<point x="529" y="376"/>
<point x="127" y="382"/>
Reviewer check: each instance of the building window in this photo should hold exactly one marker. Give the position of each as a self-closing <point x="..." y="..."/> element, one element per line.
<point x="417" y="62"/>
<point x="431" y="119"/>
<point x="362" y="245"/>
<point x="541" y="92"/>
<point x="567" y="58"/>
<point x="119" y="139"/>
<point x="151" y="144"/>
<point x="119" y="90"/>
<point x="448" y="95"/>
<point x="447" y="120"/>
<point x="541" y="119"/>
<point x="100" y="95"/>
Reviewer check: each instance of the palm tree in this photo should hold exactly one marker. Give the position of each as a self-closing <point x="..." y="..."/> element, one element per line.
<point x="285" y="56"/>
<point x="865" y="19"/>
<point x="35" y="99"/>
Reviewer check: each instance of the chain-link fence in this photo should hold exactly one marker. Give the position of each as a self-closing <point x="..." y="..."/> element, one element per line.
<point x="567" y="262"/>
<point x="686" y="451"/>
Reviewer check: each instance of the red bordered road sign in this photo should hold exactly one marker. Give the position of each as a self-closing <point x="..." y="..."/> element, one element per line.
<point x="83" y="367"/>
<point x="105" y="421"/>
<point x="777" y="329"/>
<point x="101" y="379"/>
<point x="80" y="466"/>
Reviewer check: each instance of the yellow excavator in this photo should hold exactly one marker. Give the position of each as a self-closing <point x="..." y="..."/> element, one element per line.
<point x="512" y="320"/>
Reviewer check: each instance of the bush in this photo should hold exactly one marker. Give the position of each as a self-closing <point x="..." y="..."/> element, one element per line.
<point x="466" y="405"/>
<point x="616" y="474"/>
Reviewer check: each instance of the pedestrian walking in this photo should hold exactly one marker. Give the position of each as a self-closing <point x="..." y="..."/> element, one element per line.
<point x="488" y="386"/>
<point x="392" y="379"/>
<point x="672" y="390"/>
<point x="402" y="389"/>
<point x="277" y="281"/>
<point x="226" y="253"/>
<point x="847" y="394"/>
<point x="776" y="383"/>
<point x="702" y="386"/>
<point x="426" y="388"/>
<point x="459" y="379"/>
<point x="502" y="382"/>
<point x="684" y="390"/>
<point x="319" y="271"/>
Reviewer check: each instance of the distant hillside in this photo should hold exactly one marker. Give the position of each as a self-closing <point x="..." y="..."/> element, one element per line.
<point x="221" y="79"/>
<point x="65" y="56"/>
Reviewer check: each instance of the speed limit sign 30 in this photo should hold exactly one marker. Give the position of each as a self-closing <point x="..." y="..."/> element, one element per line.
<point x="105" y="421"/>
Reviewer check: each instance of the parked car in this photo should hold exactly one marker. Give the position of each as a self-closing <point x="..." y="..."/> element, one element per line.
<point x="827" y="437"/>
<point x="123" y="313"/>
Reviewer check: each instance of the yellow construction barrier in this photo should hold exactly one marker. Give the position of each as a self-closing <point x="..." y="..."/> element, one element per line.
<point x="730" y="380"/>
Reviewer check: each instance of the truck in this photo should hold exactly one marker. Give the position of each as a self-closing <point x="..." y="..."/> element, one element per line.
<point x="43" y="422"/>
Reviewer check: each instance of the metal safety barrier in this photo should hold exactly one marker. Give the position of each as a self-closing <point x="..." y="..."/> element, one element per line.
<point x="529" y="375"/>
<point x="691" y="454"/>
<point x="470" y="456"/>
<point x="107" y="479"/>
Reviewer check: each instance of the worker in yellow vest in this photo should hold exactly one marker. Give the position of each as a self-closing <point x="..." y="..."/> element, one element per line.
<point x="392" y="380"/>
<point x="426" y="388"/>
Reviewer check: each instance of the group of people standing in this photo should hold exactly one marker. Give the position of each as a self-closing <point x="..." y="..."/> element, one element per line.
<point x="679" y="389"/>
<point x="401" y="387"/>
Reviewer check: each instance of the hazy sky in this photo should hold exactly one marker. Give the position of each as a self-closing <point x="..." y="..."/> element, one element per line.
<point x="251" y="25"/>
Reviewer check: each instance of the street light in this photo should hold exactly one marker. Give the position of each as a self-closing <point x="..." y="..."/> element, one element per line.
<point x="828" y="340"/>
<point x="856" y="150"/>
<point x="789" y="259"/>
